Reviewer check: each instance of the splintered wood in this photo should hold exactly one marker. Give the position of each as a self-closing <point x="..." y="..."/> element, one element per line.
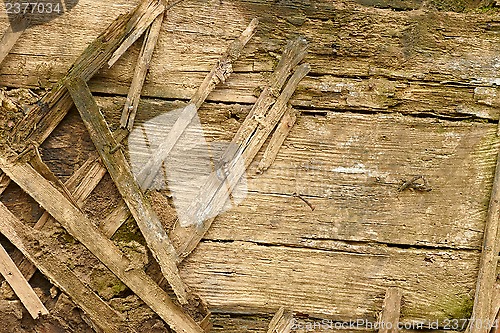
<point x="84" y="230"/>
<point x="21" y="287"/>
<point x="32" y="246"/>
<point x="120" y="172"/>
<point x="282" y="322"/>
<point x="265" y="114"/>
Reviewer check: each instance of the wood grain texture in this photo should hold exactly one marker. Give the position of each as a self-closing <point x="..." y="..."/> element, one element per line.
<point x="282" y="322"/>
<point x="362" y="58"/>
<point x="350" y="167"/>
<point x="391" y="311"/>
<point x="33" y="246"/>
<point x="21" y="287"/>
<point x="84" y="230"/>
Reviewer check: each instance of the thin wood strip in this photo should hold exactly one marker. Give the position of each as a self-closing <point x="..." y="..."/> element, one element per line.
<point x="141" y="69"/>
<point x="84" y="230"/>
<point x="143" y="23"/>
<point x="36" y="248"/>
<point x="119" y="170"/>
<point x="219" y="73"/>
<point x="284" y="127"/>
<point x="43" y="118"/>
<point x="213" y="194"/>
<point x="20" y="286"/>
<point x="4" y="182"/>
<point x="391" y="311"/>
<point x="282" y="322"/>
<point x="487" y="274"/>
<point x="11" y="36"/>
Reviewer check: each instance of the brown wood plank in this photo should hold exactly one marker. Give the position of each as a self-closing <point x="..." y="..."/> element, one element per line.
<point x="21" y="287"/>
<point x="84" y="230"/>
<point x="391" y="311"/>
<point x="481" y="319"/>
<point x="32" y="245"/>
<point x="120" y="172"/>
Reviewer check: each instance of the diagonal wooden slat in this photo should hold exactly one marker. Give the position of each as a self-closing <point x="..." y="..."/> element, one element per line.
<point x="31" y="244"/>
<point x="84" y="230"/>
<point x="20" y="286"/>
<point x="282" y="322"/>
<point x="119" y="170"/>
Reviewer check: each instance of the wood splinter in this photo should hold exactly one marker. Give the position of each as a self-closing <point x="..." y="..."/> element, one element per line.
<point x="391" y="311"/>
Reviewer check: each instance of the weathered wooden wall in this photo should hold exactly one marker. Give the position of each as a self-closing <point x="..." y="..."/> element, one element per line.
<point x="391" y="95"/>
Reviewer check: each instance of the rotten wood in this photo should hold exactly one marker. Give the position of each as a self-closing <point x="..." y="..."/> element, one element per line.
<point x="487" y="274"/>
<point x="84" y="230"/>
<point x="219" y="74"/>
<point x="282" y="322"/>
<point x="80" y="185"/>
<point x="391" y="311"/>
<point x="119" y="170"/>
<point x="284" y="127"/>
<point x="21" y="287"/>
<point x="31" y="244"/>
<point x="258" y="125"/>
<point x="41" y="120"/>
<point x="143" y="63"/>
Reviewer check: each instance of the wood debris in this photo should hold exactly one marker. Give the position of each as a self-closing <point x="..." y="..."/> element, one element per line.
<point x="21" y="287"/>
<point x="120" y="172"/>
<point x="391" y="311"/>
<point x="264" y="116"/>
<point x="32" y="247"/>
<point x="84" y="230"/>
<point x="282" y="322"/>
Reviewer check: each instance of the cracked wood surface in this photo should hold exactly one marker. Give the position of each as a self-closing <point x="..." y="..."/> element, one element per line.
<point x="119" y="170"/>
<point x="34" y="246"/>
<point x="82" y="229"/>
<point x="362" y="58"/>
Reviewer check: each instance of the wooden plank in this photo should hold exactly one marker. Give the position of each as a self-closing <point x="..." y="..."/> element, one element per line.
<point x="84" y="230"/>
<point x="423" y="77"/>
<point x="344" y="284"/>
<point x="252" y="134"/>
<point x="350" y="166"/>
<point x="487" y="276"/>
<point x="33" y="246"/>
<point x="282" y="322"/>
<point x="143" y="63"/>
<point x="284" y="127"/>
<point x="119" y="170"/>
<point x="221" y="70"/>
<point x="391" y="311"/>
<point x="44" y="117"/>
<point x="21" y="287"/>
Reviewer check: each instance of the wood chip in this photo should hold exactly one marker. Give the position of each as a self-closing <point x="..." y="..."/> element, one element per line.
<point x="85" y="231"/>
<point x="21" y="287"/>
<point x="391" y="311"/>
<point x="119" y="170"/>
